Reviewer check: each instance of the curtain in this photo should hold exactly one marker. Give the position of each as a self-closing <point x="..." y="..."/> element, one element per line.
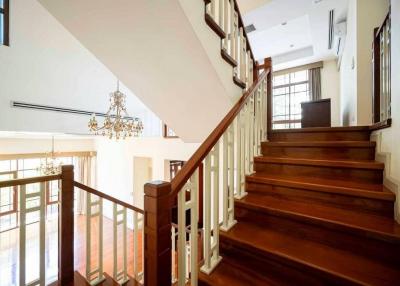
<point x="314" y="78"/>
<point x="86" y="176"/>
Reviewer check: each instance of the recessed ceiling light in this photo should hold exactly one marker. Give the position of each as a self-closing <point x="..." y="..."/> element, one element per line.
<point x="284" y="24"/>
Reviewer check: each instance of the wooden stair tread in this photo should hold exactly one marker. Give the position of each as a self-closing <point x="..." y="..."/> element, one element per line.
<point x="322" y="129"/>
<point x="365" y="164"/>
<point x="310" y="254"/>
<point x="228" y="273"/>
<point x="353" y="144"/>
<point x="348" y="220"/>
<point x="345" y="187"/>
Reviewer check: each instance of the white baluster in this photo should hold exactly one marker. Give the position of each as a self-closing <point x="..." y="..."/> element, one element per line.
<point x="211" y="211"/>
<point x="228" y="179"/>
<point x="221" y="14"/>
<point x="173" y="250"/>
<point x="213" y="9"/>
<point x="90" y="214"/>
<point x="121" y="276"/>
<point x="226" y="26"/>
<point x="41" y="208"/>
<point x="137" y="232"/>
<point x="184" y="265"/>
<point x="242" y="56"/>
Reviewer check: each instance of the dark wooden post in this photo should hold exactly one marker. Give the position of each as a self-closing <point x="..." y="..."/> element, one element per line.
<point x="66" y="227"/>
<point x="376" y="57"/>
<point x="268" y="65"/>
<point x="157" y="233"/>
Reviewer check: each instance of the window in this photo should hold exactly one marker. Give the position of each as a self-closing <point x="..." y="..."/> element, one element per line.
<point x="289" y="91"/>
<point x="4" y="22"/>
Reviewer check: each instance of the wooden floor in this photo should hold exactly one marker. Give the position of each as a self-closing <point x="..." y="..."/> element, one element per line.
<point x="9" y="254"/>
<point x="316" y="213"/>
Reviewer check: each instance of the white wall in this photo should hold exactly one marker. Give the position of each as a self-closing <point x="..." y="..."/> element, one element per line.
<point x="153" y="48"/>
<point x="115" y="163"/>
<point x="356" y="68"/>
<point x="389" y="138"/>
<point x="46" y="65"/>
<point x="330" y="88"/>
<point x="348" y="70"/>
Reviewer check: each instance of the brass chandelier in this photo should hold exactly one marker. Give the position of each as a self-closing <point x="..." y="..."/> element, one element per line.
<point x="50" y="165"/>
<point x="117" y="124"/>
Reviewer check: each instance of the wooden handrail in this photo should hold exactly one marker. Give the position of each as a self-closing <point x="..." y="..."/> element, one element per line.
<point x="194" y="162"/>
<point x="30" y="180"/>
<point x="107" y="197"/>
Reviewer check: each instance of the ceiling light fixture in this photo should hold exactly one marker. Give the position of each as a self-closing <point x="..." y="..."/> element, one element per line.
<point x="284" y="23"/>
<point x="117" y="124"/>
<point x="50" y="165"/>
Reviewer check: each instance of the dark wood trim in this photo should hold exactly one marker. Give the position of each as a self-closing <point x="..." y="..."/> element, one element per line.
<point x="268" y="65"/>
<point x="106" y="197"/>
<point x="381" y="125"/>
<point x="165" y="132"/>
<point x="157" y="233"/>
<point x="194" y="162"/>
<point x="214" y="26"/>
<point x="25" y="181"/>
<point x="238" y="82"/>
<point x="228" y="58"/>
<point x="6" y="22"/>
<point x="376" y="110"/>
<point x="66" y="227"/>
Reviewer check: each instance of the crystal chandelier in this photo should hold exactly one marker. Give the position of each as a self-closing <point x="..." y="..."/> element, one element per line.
<point x="50" y="165"/>
<point x="117" y="124"/>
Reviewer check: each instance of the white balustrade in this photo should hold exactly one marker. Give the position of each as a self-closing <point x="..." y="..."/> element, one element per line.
<point x="235" y="44"/>
<point x="230" y="159"/>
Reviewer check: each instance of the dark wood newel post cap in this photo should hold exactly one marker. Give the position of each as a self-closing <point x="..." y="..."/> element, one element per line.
<point x="157" y="189"/>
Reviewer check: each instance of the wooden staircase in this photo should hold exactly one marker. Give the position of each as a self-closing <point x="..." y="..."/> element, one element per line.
<point x="316" y="213"/>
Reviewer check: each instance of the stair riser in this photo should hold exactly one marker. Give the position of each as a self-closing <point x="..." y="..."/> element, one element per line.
<point x="319" y="136"/>
<point x="357" y="241"/>
<point x="320" y="152"/>
<point x="271" y="264"/>
<point x="359" y="175"/>
<point x="368" y="205"/>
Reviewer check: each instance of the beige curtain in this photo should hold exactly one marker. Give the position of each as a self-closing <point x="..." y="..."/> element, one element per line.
<point x="86" y="175"/>
<point x="314" y="78"/>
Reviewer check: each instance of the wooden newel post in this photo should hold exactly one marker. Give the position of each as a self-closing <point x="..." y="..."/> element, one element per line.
<point x="157" y="233"/>
<point x="66" y="226"/>
<point x="268" y="65"/>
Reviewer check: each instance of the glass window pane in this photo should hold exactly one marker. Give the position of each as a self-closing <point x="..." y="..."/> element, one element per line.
<point x="1" y="3"/>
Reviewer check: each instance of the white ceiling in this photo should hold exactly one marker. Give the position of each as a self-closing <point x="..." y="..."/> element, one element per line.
<point x="292" y="32"/>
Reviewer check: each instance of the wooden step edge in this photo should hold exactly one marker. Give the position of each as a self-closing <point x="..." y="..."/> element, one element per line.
<point x="290" y="260"/>
<point x="322" y="144"/>
<point x="347" y="191"/>
<point x="238" y="82"/>
<point x="331" y="224"/>
<point x="214" y="26"/>
<point x="228" y="58"/>
<point x="322" y="129"/>
<point x="350" y="164"/>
